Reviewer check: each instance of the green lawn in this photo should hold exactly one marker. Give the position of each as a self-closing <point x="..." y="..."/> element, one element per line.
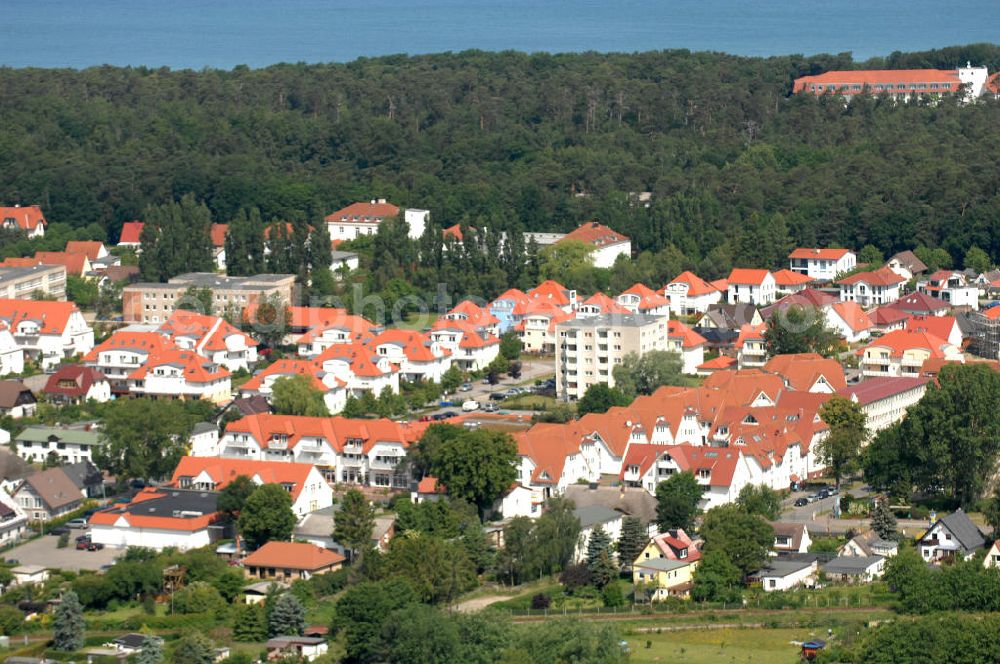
<point x="528" y="402"/>
<point x="720" y="645"/>
<point x="416" y="321"/>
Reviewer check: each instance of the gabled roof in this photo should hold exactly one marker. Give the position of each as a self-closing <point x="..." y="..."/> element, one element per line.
<point x="877" y="388"/>
<point x="75" y="264"/>
<point x="648" y="298"/>
<point x="26" y="217"/>
<point x="900" y="341"/>
<point x="13" y="391"/>
<point x="750" y="333"/>
<point x="209" y="333"/>
<point x="335" y="430"/>
<point x="696" y="285"/>
<point x="803" y="370"/>
<point x="788" y="277"/>
<point x="415" y="345"/>
<point x="550" y="291"/>
<point x="963" y="529"/>
<point x="744" y="277"/>
<point x="287" y="367"/>
<point x="853" y="315"/>
<point x="909" y="260"/>
<point x="603" y="304"/>
<point x="806" y="298"/>
<point x="939" y="326"/>
<point x="83" y="378"/>
<point x="515" y="295"/>
<point x="218" y="233"/>
<point x="793" y="531"/>
<point x="595" y="234"/>
<point x="883" y="276"/>
<point x="372" y="212"/>
<point x="874" y="77"/>
<point x="131" y="232"/>
<point x="358" y="329"/>
<point x="91" y="249"/>
<point x="145" y="343"/>
<point x="919" y="303"/>
<point x="55" y="488"/>
<point x="819" y="254"/>
<point x="51" y="317"/>
<point x="293" y="555"/>
<point x="194" y="367"/>
<point x="885" y="315"/>
<point x="720" y="363"/>
<point x="222" y="471"/>
<point x="688" y="337"/>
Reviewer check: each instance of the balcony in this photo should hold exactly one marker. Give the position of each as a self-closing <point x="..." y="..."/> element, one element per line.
<point x="385" y="464"/>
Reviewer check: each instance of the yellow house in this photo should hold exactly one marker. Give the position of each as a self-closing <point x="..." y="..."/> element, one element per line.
<point x="666" y="566"/>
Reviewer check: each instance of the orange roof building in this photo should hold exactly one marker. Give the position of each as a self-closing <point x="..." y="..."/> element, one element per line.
<point x="690" y="294"/>
<point x="26" y="218"/>
<point x="894" y="82"/>
<point x="158" y="518"/>
<point x="287" y="561"/>
<point x="607" y="245"/>
<point x="131" y="234"/>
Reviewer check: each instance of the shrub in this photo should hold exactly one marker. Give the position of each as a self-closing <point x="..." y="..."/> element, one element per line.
<point x="541" y="601"/>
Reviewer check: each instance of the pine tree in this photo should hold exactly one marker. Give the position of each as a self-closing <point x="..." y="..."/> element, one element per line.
<point x="149" y="259"/>
<point x="883" y="520"/>
<point x="288" y="617"/>
<point x="598" y="542"/>
<point x="250" y="623"/>
<point x="194" y="648"/>
<point x="255" y="242"/>
<point x="68" y="624"/>
<point x="354" y="522"/>
<point x="633" y="540"/>
<point x="604" y="570"/>
<point x="237" y="252"/>
<point x="152" y="651"/>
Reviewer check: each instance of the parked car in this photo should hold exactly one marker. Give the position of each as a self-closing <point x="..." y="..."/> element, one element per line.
<point x="445" y="404"/>
<point x="823" y="493"/>
<point x="59" y="530"/>
<point x="801" y="502"/>
<point x="470" y="405"/>
<point x="498" y="396"/>
<point x="83" y="544"/>
<point x="76" y="523"/>
<point x="95" y="546"/>
<point x="812" y="497"/>
<point x="490" y="407"/>
<point x="465" y="387"/>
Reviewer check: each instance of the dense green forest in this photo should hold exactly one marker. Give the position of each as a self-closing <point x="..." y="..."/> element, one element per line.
<point x="739" y="169"/>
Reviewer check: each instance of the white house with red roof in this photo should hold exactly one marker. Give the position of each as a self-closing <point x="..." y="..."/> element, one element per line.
<point x="722" y="472"/>
<point x="360" y="367"/>
<point x="332" y="329"/>
<point x="690" y="294"/>
<point x="903" y="353"/>
<point x="883" y="400"/>
<point x="344" y="450"/>
<point x="73" y="384"/>
<point x="871" y="289"/>
<point x="472" y="346"/>
<point x="11" y="354"/>
<point x="160" y="517"/>
<point x="181" y="374"/>
<point x="787" y="282"/>
<point x="360" y="219"/>
<point x="943" y="327"/>
<point x="305" y="485"/>
<point x="26" y="218"/>
<point x="751" y="287"/>
<point x="899" y="84"/>
<point x="417" y="356"/>
<point x="471" y="313"/>
<point x="751" y="347"/>
<point x="687" y="343"/>
<point x="553" y="293"/>
<point x="849" y="320"/>
<point x="47" y="332"/>
<point x="211" y="337"/>
<point x="641" y="299"/>
<point x="124" y="351"/>
<point x="808" y="372"/>
<point x="607" y="245"/>
<point x="952" y="287"/>
<point x="822" y="264"/>
<point x="599" y="304"/>
<point x="333" y="389"/>
<point x="131" y="235"/>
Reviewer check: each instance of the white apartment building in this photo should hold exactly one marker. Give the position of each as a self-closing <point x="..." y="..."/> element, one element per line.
<point x="871" y="289"/>
<point x="690" y="294"/>
<point x="751" y="287"/>
<point x="952" y="287"/>
<point x="885" y="401"/>
<point x="47" y="332"/>
<point x="822" y="264"/>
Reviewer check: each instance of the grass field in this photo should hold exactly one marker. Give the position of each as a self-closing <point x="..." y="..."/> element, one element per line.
<point x="720" y="645"/>
<point x="416" y="321"/>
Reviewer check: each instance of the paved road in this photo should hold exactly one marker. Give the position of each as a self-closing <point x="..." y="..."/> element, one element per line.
<point x="531" y="370"/>
<point x="43" y="551"/>
<point x="819" y="519"/>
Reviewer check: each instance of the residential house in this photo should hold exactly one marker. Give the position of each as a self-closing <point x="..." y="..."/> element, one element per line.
<point x="48" y="494"/>
<point x="13" y="520"/>
<point x="131" y="235"/>
<point x="159" y="518"/>
<point x="790" y="537"/>
<point x="473" y="347"/>
<point x="591" y="518"/>
<point x="287" y="561"/>
<point x="333" y="389"/>
<point x="665" y="567"/>
<point x="16" y="400"/>
<point x="787" y="573"/>
<point x="77" y="265"/>
<point x="719" y="363"/>
<point x="305" y="485"/>
<point x="606" y="245"/>
<point x="887" y="319"/>
<point x="75" y="384"/>
<point x="87" y="478"/>
<point x="536" y="326"/>
<point x="903" y="353"/>
<point x="212" y="337"/>
<point x="641" y="299"/>
<point x="808" y="372"/>
<point x="951" y="287"/>
<point x="25" y="279"/>
<point x="11" y="355"/>
<point x="39" y="443"/>
<point x="850" y="321"/>
<point x="690" y="294"/>
<point x="599" y="304"/>
<point x="868" y="544"/>
<point x="92" y="249"/>
<point x="854" y="569"/>
<point x="787" y="282"/>
<point x="153" y="303"/>
<point x="906" y="264"/>
<point x="921" y="304"/>
<point x="822" y="264"/>
<point x="885" y="400"/>
<point x="343" y="262"/>
<point x="751" y="287"/>
<point x="328" y="327"/>
<point x="118" y="356"/>
<point x="360" y="368"/>
<point x="633" y="502"/>
<point x="48" y="332"/>
<point x="871" y="289"/>
<point x="361" y="219"/>
<point x="415" y="354"/>
<point x="25" y="574"/>
<point x="306" y="648"/>
<point x="552" y="292"/>
<point x="751" y="347"/>
<point x="687" y="343"/>
<point x="731" y="317"/>
<point x="942" y="327"/>
<point x="952" y="537"/>
<point x="503" y="307"/>
<point x="181" y="374"/>
<point x="26" y="218"/>
<point x="132" y="644"/>
<point x="807" y="298"/>
<point x="992" y="559"/>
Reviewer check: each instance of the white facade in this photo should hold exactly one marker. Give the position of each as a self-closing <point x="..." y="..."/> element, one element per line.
<point x="51" y="348"/>
<point x="172" y="380"/>
<point x="11" y="355"/>
<point x="605" y="257"/>
<point x="953" y="288"/>
<point x="869" y="295"/>
<point x="14" y="523"/>
<point x="844" y="329"/>
<point x="682" y="303"/>
<point x="823" y="265"/>
<point x="760" y="294"/>
<point x="122" y="535"/>
<point x="416" y="221"/>
<point x="612" y="528"/>
<point x="782" y="579"/>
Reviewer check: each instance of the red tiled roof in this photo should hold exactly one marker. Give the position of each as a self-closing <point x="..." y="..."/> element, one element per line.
<point x="51" y="317"/>
<point x="875" y="77"/>
<point x="110" y="517"/>
<point x="91" y="249"/>
<point x="195" y="368"/>
<point x="604" y="304"/>
<point x="595" y="234"/>
<point x="887" y="316"/>
<point x="287" y="367"/>
<point x="415" y="345"/>
<point x="218" y="233"/>
<point x="455" y="232"/>
<point x="688" y="337"/>
<point x="26" y="217"/>
<point x="430" y="485"/>
<point x="363" y="213"/>
<point x="881" y="387"/>
<point x="750" y="333"/>
<point x="819" y="254"/>
<point x="919" y="303"/>
<point x="803" y="370"/>
<point x="362" y="359"/>
<point x="648" y="298"/>
<point x="142" y="342"/>
<point x="16" y="261"/>
<point x="745" y="276"/>
<point x="223" y="471"/>
<point x="306" y="317"/>
<point x="208" y="332"/>
<point x="790" y="278"/>
<point x="131" y="232"/>
<point x="83" y="378"/>
<point x="550" y="291"/>
<point x="335" y="430"/>
<point x="75" y="264"/>
<point x="939" y="326"/>
<point x="900" y="341"/>
<point x="720" y="363"/>
<point x="852" y="314"/>
<point x="293" y="555"/>
<point x="696" y="285"/>
<point x="880" y="277"/>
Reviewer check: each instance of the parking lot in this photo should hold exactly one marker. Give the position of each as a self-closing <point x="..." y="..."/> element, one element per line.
<point x="43" y="551"/>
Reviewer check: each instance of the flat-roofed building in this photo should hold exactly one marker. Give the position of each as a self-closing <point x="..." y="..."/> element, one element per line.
<point x="21" y="283"/>
<point x="154" y="303"/>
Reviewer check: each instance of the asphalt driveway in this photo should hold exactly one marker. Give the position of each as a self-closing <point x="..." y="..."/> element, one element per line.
<point x="43" y="551"/>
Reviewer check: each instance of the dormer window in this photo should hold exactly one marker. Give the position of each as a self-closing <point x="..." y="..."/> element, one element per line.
<point x="683" y="553"/>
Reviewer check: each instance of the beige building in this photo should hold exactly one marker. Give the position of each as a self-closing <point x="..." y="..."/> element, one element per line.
<point x="154" y="303"/>
<point x="588" y="349"/>
<point x="21" y="283"/>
